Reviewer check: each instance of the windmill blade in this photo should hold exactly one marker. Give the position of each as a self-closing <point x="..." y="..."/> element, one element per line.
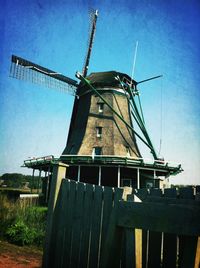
<point x="26" y="70"/>
<point x="94" y="16"/>
<point x="155" y="77"/>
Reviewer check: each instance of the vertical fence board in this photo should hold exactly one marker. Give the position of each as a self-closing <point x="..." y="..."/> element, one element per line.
<point x="170" y="192"/>
<point x="107" y="208"/>
<point x="59" y="226"/>
<point x="128" y="249"/>
<point x="145" y="243"/>
<point x="154" y="254"/>
<point x="111" y="252"/>
<point x="186" y="193"/>
<point x="155" y="192"/>
<point x="77" y="222"/>
<point x="96" y="228"/>
<point x="187" y="251"/>
<point x="169" y="250"/>
<point x="69" y="224"/>
<point x="86" y="225"/>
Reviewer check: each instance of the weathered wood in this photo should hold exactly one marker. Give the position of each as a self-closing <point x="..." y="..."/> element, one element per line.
<point x="159" y="217"/>
<point x="77" y="226"/>
<point x="155" y="192"/>
<point x="170" y="192"/>
<point x="107" y="208"/>
<point x="86" y="224"/>
<point x="154" y="252"/>
<point x="128" y="249"/>
<point x="138" y="248"/>
<point x="169" y="250"/>
<point x="59" y="170"/>
<point x="96" y="228"/>
<point x="186" y="192"/>
<point x="168" y="200"/>
<point x="69" y="224"/>
<point x="58" y="239"/>
<point x="187" y="251"/>
<point x="111" y="253"/>
<point x="145" y="243"/>
<point x="197" y="258"/>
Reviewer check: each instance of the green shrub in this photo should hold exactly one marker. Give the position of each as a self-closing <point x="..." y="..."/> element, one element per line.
<point x="23" y="225"/>
<point x="21" y="234"/>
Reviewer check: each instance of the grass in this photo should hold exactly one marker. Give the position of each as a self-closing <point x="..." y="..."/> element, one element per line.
<point x="22" y="224"/>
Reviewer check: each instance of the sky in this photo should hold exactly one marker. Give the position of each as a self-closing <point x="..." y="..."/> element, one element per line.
<point x="34" y="120"/>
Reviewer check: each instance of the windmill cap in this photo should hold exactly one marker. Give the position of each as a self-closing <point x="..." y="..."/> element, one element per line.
<point x="110" y="78"/>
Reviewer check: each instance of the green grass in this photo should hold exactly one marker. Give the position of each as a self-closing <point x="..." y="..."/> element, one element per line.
<point x="22" y="225"/>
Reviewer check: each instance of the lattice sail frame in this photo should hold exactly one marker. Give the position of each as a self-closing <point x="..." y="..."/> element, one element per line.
<point x="26" y="70"/>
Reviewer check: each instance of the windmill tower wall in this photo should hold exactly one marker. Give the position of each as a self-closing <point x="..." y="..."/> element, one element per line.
<point x="96" y="130"/>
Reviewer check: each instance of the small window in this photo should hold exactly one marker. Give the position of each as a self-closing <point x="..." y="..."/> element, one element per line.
<point x="128" y="152"/>
<point x="99" y="132"/>
<point x="97" y="151"/>
<point x="101" y="106"/>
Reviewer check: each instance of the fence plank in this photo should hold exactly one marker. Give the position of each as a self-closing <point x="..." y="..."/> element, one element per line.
<point x="167" y="218"/>
<point x="128" y="249"/>
<point x="96" y="228"/>
<point x="107" y="208"/>
<point x="186" y="193"/>
<point x="111" y="252"/>
<point x="154" y="252"/>
<point x="169" y="250"/>
<point x="77" y="224"/>
<point x="57" y="246"/>
<point x="86" y="225"/>
<point x="145" y="243"/>
<point x="187" y="251"/>
<point x="170" y="192"/>
<point x="70" y="206"/>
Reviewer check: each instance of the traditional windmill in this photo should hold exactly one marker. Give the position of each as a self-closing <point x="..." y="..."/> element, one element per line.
<point x="101" y="146"/>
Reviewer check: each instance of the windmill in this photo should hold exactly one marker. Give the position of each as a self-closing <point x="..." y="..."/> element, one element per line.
<point x="102" y="141"/>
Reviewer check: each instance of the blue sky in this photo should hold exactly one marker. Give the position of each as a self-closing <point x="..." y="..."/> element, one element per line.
<point x="34" y="120"/>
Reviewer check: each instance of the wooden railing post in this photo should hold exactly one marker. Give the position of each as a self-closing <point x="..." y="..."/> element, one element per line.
<point x="59" y="171"/>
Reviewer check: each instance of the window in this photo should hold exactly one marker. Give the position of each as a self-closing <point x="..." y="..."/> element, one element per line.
<point x="99" y="132"/>
<point x="128" y="152"/>
<point x="97" y="151"/>
<point x="101" y="106"/>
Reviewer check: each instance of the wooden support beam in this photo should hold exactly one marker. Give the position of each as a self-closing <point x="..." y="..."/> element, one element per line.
<point x="167" y="218"/>
<point x="59" y="171"/>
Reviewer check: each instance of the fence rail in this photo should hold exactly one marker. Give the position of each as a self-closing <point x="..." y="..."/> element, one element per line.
<point x="91" y="226"/>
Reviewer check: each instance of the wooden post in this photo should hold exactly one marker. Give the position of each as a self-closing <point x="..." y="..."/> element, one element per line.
<point x="99" y="176"/>
<point x="138" y="178"/>
<point x="79" y="173"/>
<point x="32" y="180"/>
<point x="47" y="186"/>
<point x="118" y="177"/>
<point x="59" y="171"/>
<point x="154" y="178"/>
<point x="39" y="179"/>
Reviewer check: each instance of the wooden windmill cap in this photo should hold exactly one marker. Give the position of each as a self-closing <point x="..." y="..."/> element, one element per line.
<point x="109" y="79"/>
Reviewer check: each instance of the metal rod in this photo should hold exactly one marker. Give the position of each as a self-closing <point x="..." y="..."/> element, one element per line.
<point x="155" y="77"/>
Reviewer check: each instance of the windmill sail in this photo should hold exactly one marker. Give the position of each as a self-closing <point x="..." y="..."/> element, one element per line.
<point x="26" y="70"/>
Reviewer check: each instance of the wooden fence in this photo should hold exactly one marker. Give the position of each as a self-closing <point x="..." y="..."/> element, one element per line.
<point x="92" y="226"/>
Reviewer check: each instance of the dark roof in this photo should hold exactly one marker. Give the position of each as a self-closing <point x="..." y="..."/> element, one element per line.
<point x="108" y="78"/>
